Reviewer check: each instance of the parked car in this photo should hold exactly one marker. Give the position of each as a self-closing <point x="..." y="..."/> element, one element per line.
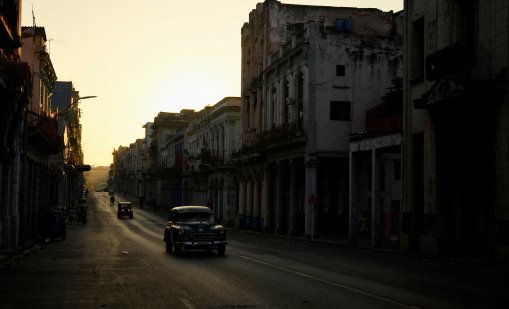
<point x="51" y="222"/>
<point x="193" y="227"/>
<point x="124" y="209"/>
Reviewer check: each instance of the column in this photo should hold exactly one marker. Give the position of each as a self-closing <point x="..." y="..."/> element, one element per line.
<point x="249" y="204"/>
<point x="280" y="207"/>
<point x="353" y="228"/>
<point x="266" y="207"/>
<point x="376" y="208"/>
<point x="220" y="200"/>
<point x="311" y="217"/>
<point x="217" y="141"/>
<point x="221" y="142"/>
<point x="16" y="178"/>
<point x="256" y="204"/>
<point x="242" y="204"/>
<point x="291" y="97"/>
<point x="228" y="140"/>
<point x="294" y="203"/>
<point x="5" y="219"/>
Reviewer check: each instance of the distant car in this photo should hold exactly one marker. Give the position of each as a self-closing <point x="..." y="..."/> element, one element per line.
<point x="124" y="209"/>
<point x="193" y="227"/>
<point x="51" y="222"/>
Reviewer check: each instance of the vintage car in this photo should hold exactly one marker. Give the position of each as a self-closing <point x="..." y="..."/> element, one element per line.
<point x="124" y="209"/>
<point x="51" y="222"/>
<point x="193" y="227"/>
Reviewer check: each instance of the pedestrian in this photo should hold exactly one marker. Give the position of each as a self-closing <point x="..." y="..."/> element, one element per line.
<point x="141" y="199"/>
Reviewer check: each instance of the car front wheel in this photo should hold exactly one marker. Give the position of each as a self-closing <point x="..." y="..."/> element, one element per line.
<point x="168" y="246"/>
<point x="221" y="249"/>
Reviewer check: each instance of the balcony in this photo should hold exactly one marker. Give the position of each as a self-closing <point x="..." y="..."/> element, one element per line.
<point x="42" y="134"/>
<point x="254" y="145"/>
<point x="203" y="161"/>
<point x="286" y="134"/>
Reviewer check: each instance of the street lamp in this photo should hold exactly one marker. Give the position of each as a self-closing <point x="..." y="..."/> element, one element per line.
<point x="86" y="97"/>
<point x="75" y="102"/>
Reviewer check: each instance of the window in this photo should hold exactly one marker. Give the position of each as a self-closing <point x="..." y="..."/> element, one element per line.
<point x="273" y="108"/>
<point x="340" y="70"/>
<point x="286" y="96"/>
<point x="340" y="110"/>
<point x="418" y="50"/>
<point x="300" y="93"/>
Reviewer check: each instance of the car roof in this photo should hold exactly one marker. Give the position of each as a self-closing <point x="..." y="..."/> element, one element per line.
<point x="124" y="203"/>
<point x="180" y="209"/>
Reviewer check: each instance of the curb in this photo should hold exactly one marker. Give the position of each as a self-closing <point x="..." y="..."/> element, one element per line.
<point x="11" y="257"/>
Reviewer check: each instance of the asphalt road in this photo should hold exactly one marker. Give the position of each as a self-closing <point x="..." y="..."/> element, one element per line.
<point x="122" y="263"/>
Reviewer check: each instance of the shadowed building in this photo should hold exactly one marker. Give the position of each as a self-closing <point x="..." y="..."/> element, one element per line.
<point x="309" y="74"/>
<point x="456" y="156"/>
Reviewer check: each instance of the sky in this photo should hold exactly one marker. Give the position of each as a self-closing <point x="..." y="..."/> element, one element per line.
<point x="139" y="60"/>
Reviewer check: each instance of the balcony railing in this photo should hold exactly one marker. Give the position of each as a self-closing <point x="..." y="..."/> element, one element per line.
<point x="254" y="143"/>
<point x="286" y="133"/>
<point x="43" y="133"/>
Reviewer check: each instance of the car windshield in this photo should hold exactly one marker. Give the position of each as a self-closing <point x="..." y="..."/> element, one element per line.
<point x="194" y="216"/>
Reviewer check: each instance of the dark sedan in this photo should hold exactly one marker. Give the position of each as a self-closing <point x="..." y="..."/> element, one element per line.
<point x="193" y="227"/>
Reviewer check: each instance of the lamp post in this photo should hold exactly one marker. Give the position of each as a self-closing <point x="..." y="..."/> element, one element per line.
<point x="75" y="102"/>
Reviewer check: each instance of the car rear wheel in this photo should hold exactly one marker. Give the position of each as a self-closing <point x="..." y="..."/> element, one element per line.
<point x="177" y="249"/>
<point x="174" y="248"/>
<point x="168" y="247"/>
<point x="221" y="249"/>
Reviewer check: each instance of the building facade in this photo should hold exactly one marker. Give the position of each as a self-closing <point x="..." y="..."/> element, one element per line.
<point x="32" y="158"/>
<point x="185" y="158"/>
<point x="16" y="220"/>
<point x="68" y="163"/>
<point x="209" y="175"/>
<point x="309" y="74"/>
<point x="43" y="140"/>
<point x="456" y="111"/>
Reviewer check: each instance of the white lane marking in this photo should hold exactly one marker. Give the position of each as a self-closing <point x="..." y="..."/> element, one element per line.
<point x="187" y="303"/>
<point x="339" y="285"/>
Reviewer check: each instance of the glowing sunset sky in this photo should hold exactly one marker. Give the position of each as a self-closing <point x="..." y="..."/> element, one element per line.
<point x="162" y="55"/>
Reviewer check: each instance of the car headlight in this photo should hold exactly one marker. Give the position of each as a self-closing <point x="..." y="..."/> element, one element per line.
<point x="182" y="230"/>
<point x="218" y="229"/>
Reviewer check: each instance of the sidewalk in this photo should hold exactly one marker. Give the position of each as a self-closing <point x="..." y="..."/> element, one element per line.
<point x="10" y="257"/>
